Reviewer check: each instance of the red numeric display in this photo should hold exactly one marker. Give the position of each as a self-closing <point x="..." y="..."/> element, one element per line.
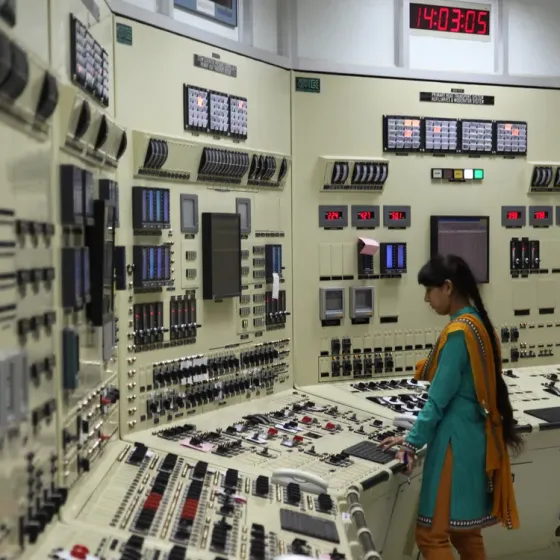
<point x="449" y="19"/>
<point x="397" y="216"/>
<point x="366" y="215"/>
<point x="514" y="215"/>
<point x="541" y="215"/>
<point x="333" y="216"/>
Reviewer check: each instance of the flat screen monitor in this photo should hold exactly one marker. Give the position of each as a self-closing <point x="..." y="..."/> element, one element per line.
<point x="221" y="255"/>
<point x="465" y="236"/>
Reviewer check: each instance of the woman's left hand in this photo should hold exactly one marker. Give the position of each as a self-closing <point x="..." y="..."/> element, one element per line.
<point x="407" y="458"/>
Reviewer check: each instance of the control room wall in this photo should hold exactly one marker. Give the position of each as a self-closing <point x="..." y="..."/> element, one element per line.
<point x="154" y="107"/>
<point x="319" y="130"/>
<point x="264" y="22"/>
<point x="534" y="37"/>
<point x="362" y="32"/>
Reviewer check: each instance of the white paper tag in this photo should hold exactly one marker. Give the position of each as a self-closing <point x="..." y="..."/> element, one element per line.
<point x="206" y="7"/>
<point x="275" y="285"/>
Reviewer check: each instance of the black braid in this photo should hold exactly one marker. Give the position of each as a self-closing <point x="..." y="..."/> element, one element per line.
<point x="503" y="403"/>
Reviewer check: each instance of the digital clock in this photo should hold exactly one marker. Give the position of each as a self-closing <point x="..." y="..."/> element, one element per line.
<point x="449" y="19"/>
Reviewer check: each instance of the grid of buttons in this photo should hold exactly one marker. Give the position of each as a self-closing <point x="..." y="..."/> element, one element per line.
<point x="90" y="63"/>
<point x="197" y="108"/>
<point x="219" y="112"/>
<point x="441" y="135"/>
<point x="511" y="138"/>
<point x="476" y="137"/>
<point x="403" y="134"/>
<point x="238" y="116"/>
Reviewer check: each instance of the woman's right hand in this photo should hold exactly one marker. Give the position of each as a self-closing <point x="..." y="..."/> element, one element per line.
<point x="391" y="442"/>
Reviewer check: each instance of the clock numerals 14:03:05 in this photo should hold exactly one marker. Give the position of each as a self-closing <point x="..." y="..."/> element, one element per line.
<point x="449" y="19"/>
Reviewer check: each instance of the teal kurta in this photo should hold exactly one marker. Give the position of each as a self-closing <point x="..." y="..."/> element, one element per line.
<point x="453" y="416"/>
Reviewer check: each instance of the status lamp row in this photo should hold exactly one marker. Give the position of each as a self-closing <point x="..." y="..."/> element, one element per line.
<point x="458" y="174"/>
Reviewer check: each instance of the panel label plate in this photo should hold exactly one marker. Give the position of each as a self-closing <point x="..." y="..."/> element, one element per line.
<point x="457" y="98"/>
<point x="214" y="65"/>
<point x="308" y="85"/>
<point x="124" y="34"/>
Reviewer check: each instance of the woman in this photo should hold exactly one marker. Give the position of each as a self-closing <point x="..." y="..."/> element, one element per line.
<point x="467" y="422"/>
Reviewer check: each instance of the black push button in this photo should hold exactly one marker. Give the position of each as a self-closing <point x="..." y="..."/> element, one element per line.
<point x="13" y="87"/>
<point x="48" y="100"/>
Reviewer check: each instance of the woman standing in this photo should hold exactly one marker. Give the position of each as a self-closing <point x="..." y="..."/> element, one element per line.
<point x="467" y="422"/>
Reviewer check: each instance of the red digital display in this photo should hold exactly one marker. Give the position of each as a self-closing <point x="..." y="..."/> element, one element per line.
<point x="397" y="216"/>
<point x="541" y="215"/>
<point x="333" y="215"/>
<point x="449" y="19"/>
<point x="366" y="215"/>
<point x="514" y="215"/>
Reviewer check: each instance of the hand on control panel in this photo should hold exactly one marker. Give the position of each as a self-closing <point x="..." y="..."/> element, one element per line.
<point x="390" y="442"/>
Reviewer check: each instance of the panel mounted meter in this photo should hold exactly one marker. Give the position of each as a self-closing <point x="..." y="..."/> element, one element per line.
<point x="514" y="216"/>
<point x="540" y="216"/>
<point x="365" y="217"/>
<point x="332" y="306"/>
<point x="333" y="217"/>
<point x="396" y="217"/>
<point x="392" y="259"/>
<point x="361" y="304"/>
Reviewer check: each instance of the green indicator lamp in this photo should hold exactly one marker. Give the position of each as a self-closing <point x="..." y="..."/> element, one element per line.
<point x="479" y="174"/>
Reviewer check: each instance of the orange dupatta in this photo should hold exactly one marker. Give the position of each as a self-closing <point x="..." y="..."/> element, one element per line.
<point x="498" y="468"/>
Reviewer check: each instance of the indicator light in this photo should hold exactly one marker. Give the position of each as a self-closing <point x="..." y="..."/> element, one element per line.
<point x="458" y="174"/>
<point x="479" y="174"/>
<point x="448" y="174"/>
<point x="469" y="174"/>
<point x="437" y="173"/>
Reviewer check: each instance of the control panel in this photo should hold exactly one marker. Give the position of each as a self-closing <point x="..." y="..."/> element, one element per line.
<point x="30" y="494"/>
<point x="203" y="344"/>
<point x="445" y="162"/>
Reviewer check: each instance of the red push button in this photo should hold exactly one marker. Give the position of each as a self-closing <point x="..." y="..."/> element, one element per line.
<point x="330" y="426"/>
<point x="272" y="431"/>
<point x="307" y="420"/>
<point x="79" y="551"/>
<point x="298" y="439"/>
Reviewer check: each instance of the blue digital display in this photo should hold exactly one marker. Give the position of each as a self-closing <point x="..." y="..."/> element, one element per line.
<point x="401" y="257"/>
<point x="152" y="265"/>
<point x="166" y="207"/>
<point x="393" y="258"/>
<point x="150" y="208"/>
